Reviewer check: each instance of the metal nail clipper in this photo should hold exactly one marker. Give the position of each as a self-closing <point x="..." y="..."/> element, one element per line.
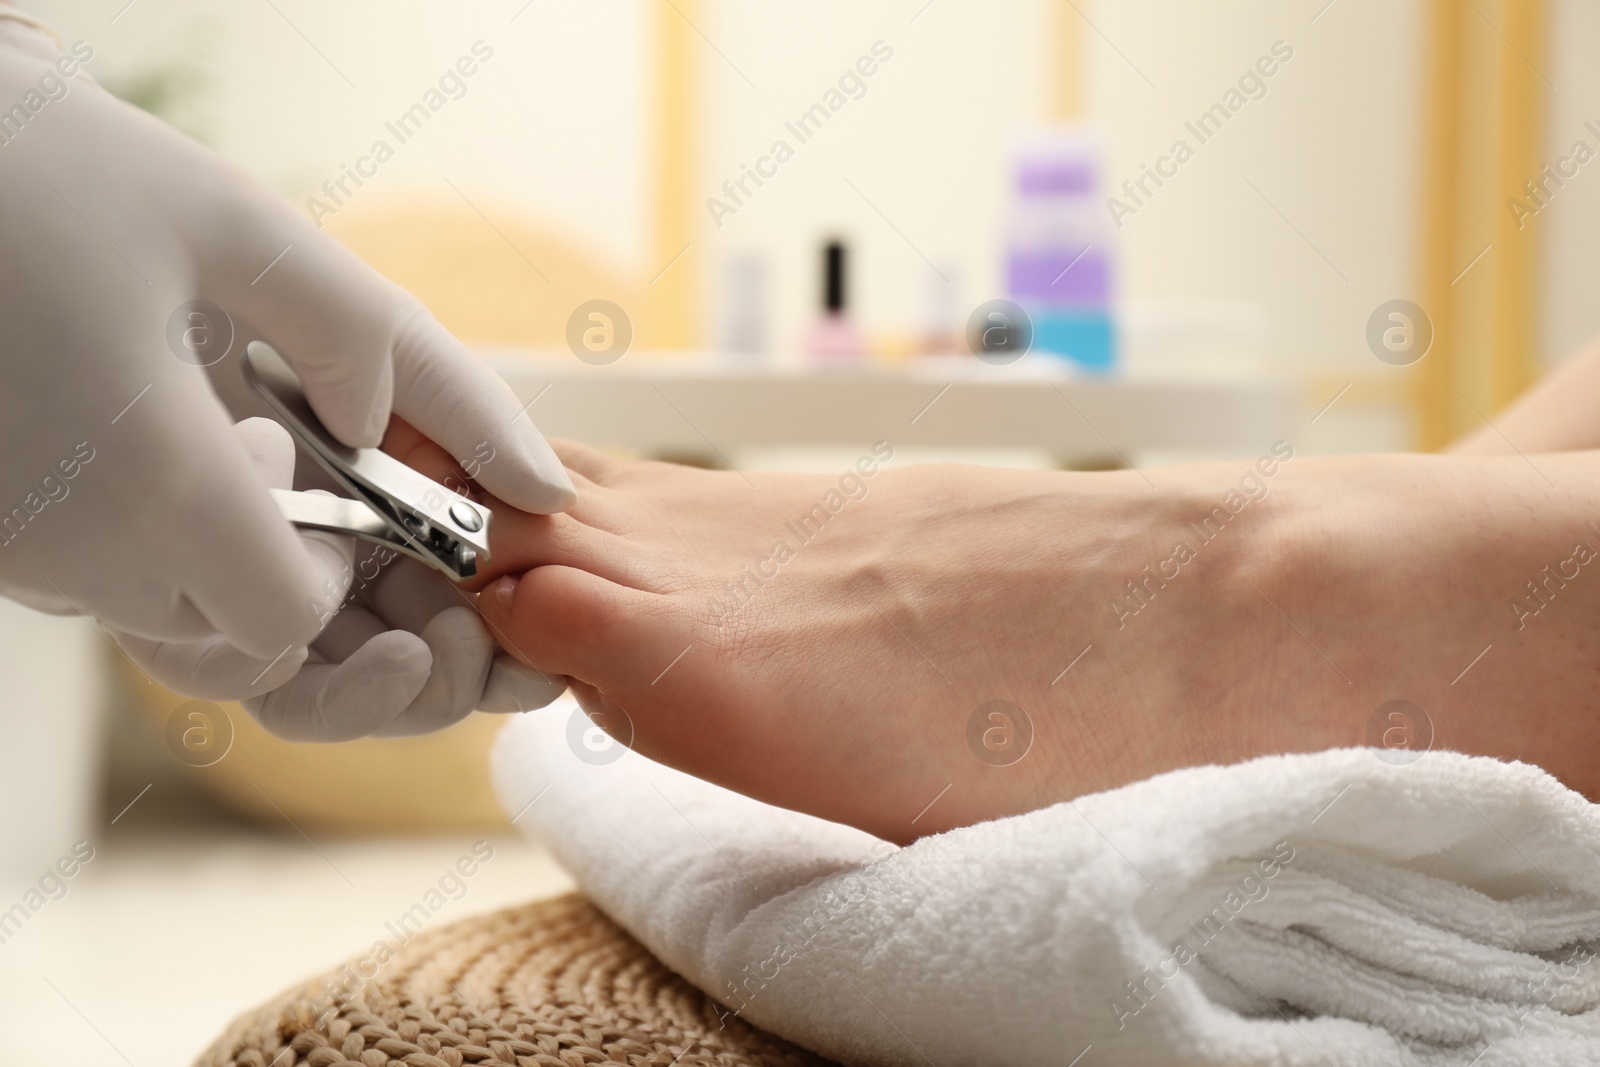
<point x="390" y="504"/>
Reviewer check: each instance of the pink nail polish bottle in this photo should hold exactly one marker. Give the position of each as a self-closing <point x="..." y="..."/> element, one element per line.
<point x="834" y="340"/>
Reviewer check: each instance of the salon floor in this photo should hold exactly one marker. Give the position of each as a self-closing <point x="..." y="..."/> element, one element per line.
<point x="177" y="926"/>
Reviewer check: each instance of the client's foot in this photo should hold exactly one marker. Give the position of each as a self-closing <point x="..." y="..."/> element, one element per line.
<point x="910" y="649"/>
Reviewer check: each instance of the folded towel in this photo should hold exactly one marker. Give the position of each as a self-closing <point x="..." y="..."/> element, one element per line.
<point x="1326" y="910"/>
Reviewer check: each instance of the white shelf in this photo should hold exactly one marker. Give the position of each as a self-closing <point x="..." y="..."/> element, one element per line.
<point x="652" y="404"/>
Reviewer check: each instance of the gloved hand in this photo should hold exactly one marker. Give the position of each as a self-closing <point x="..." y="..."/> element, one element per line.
<point x="411" y="642"/>
<point x="124" y="494"/>
<point x="409" y="655"/>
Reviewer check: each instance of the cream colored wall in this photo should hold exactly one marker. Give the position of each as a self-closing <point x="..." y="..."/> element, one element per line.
<point x="554" y="119"/>
<point x="1333" y="147"/>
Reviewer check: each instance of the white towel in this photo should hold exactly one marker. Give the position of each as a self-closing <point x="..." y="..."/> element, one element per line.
<point x="1326" y="910"/>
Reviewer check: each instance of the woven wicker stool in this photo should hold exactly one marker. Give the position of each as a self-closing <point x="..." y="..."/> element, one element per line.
<point x="553" y="984"/>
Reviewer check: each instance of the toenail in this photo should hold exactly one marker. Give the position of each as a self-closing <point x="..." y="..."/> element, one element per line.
<point x="504" y="591"/>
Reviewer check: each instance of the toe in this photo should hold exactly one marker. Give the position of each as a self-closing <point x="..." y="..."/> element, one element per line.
<point x="593" y="464"/>
<point x="565" y="621"/>
<point x="407" y="444"/>
<point x="520" y="542"/>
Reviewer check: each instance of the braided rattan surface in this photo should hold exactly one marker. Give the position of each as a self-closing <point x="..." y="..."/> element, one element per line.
<point x="552" y="984"/>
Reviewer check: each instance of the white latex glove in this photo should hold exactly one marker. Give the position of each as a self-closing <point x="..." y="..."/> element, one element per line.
<point x="124" y="494"/>
<point x="408" y="656"/>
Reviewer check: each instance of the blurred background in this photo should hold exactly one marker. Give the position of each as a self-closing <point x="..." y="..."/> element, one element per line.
<point x="1064" y="233"/>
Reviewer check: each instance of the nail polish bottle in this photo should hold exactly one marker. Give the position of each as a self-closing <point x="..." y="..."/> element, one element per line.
<point x="833" y="340"/>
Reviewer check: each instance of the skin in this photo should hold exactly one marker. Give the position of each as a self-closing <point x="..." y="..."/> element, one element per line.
<point x="847" y="685"/>
<point x="1556" y="415"/>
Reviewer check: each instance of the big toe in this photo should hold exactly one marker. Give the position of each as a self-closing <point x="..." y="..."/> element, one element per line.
<point x="566" y="621"/>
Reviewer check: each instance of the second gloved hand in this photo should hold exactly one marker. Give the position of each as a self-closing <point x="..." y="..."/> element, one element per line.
<point x="412" y="641"/>
<point x="407" y="654"/>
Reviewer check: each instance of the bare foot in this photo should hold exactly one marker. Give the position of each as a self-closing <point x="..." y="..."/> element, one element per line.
<point x="913" y="649"/>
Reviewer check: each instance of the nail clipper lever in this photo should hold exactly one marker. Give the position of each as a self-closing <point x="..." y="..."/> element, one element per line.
<point x="392" y="504"/>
